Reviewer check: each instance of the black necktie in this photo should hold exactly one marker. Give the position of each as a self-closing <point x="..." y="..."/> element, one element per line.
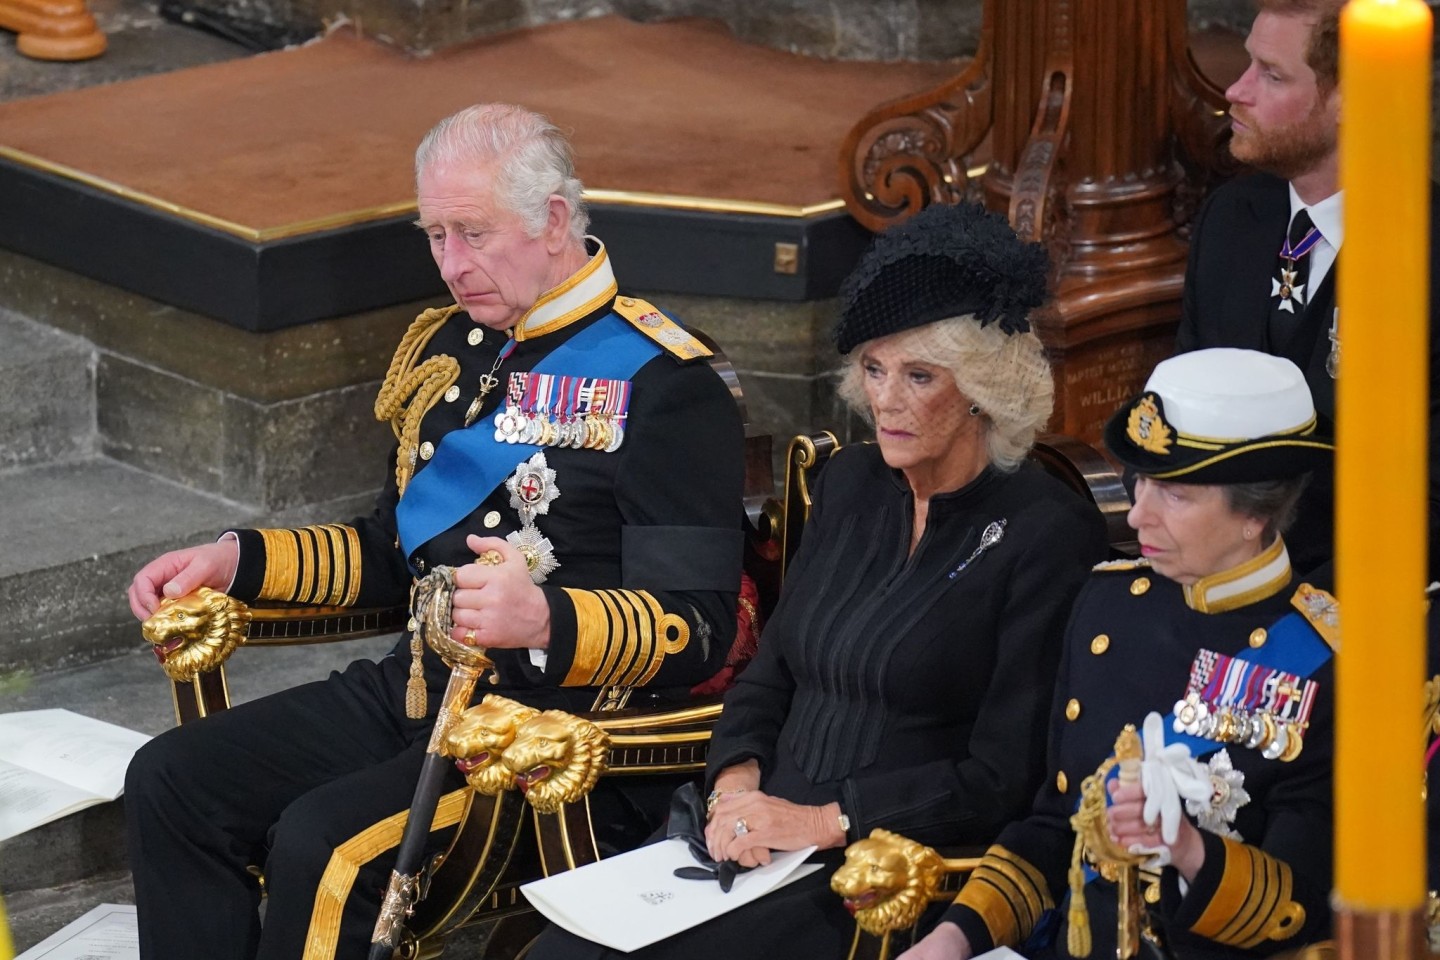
<point x="1289" y="286"/>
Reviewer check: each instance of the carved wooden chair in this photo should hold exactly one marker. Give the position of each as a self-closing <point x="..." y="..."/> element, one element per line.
<point x="500" y="842"/>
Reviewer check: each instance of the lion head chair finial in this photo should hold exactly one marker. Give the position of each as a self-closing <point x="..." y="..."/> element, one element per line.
<point x="887" y="881"/>
<point x="196" y="632"/>
<point x="556" y="759"/>
<point x="481" y="736"/>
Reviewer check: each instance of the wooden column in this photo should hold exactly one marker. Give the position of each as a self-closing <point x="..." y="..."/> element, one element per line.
<point x="52" y="29"/>
<point x="1097" y="136"/>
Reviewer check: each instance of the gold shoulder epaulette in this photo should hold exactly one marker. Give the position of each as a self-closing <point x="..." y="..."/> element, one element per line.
<point x="675" y="339"/>
<point x="1121" y="565"/>
<point x="1321" y="609"/>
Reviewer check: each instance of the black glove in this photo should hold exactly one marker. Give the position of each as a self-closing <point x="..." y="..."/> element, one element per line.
<point x="687" y="822"/>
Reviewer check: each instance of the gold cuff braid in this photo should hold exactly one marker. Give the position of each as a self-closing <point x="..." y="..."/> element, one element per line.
<point x="621" y="637"/>
<point x="316" y="564"/>
<point x="1008" y="893"/>
<point x="1252" y="902"/>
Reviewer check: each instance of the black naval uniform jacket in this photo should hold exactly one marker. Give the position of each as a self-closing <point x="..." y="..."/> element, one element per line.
<point x="1128" y="651"/>
<point x="661" y="515"/>
<point x="1234" y="248"/>
<point x="913" y="689"/>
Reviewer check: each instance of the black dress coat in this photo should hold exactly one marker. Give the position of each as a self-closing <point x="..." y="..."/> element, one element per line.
<point x="1128" y="651"/>
<point x="1234" y="248"/>
<point x="912" y="689"/>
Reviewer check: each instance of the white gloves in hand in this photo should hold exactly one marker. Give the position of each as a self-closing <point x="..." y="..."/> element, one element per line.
<point x="1169" y="775"/>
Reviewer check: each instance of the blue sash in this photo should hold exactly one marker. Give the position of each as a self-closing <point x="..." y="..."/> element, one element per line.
<point x="469" y="464"/>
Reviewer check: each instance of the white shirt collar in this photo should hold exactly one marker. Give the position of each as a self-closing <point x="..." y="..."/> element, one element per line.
<point x="1326" y="215"/>
<point x="590" y="288"/>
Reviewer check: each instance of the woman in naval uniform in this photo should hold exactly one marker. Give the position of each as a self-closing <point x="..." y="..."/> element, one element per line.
<point x="905" y="677"/>
<point x="1210" y="646"/>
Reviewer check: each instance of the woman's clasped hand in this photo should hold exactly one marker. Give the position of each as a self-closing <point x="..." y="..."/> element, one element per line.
<point x="746" y="825"/>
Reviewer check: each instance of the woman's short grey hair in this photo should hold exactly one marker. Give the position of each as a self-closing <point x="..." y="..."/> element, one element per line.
<point x="534" y="160"/>
<point x="1007" y="375"/>
<point x="1272" y="502"/>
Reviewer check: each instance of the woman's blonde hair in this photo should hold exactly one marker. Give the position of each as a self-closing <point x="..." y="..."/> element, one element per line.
<point x="1007" y="375"/>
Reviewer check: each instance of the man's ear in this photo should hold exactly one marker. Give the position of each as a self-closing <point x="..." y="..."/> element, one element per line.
<point x="557" y="223"/>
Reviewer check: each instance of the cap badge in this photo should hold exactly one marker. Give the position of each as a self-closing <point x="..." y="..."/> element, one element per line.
<point x="1147" y="429"/>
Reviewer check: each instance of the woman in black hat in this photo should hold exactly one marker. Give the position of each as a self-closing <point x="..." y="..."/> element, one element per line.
<point x="1221" y="662"/>
<point x="905" y="676"/>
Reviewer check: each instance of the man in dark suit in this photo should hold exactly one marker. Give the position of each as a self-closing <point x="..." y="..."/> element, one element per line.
<point x="1263" y="251"/>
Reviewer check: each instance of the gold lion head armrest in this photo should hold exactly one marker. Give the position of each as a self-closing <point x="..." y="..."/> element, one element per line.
<point x="556" y="758"/>
<point x="481" y="736"/>
<point x="888" y="880"/>
<point x="196" y="633"/>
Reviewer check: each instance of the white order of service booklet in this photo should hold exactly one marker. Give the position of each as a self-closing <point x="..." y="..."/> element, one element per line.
<point x="107" y="932"/>
<point x="55" y="762"/>
<point x="634" y="899"/>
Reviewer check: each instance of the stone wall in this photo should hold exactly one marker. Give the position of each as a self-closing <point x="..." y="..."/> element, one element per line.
<point x="275" y="421"/>
<point x="842" y="29"/>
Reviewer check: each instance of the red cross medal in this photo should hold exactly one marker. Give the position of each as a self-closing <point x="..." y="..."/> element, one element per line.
<point x="532" y="488"/>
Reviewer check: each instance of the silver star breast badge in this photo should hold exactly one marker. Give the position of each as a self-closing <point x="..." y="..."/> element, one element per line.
<point x="538" y="551"/>
<point x="1227" y="796"/>
<point x="532" y="488"/>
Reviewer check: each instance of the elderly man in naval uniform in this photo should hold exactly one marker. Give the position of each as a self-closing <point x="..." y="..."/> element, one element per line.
<point x="577" y="433"/>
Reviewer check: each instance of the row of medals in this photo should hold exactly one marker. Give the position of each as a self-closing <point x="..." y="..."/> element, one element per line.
<point x="1275" y="739"/>
<point x="590" y="432"/>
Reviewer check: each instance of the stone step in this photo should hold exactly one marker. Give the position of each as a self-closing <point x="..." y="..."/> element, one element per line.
<point x="35" y="914"/>
<point x="54" y="873"/>
<point x="47" y="390"/>
<point x="75" y="533"/>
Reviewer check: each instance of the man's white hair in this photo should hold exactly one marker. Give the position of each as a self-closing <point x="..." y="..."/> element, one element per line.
<point x="533" y="160"/>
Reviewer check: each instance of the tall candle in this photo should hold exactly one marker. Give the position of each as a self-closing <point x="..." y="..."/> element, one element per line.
<point x="1381" y="458"/>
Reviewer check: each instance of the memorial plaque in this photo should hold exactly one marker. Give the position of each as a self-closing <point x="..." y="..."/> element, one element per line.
<point x="1093" y="380"/>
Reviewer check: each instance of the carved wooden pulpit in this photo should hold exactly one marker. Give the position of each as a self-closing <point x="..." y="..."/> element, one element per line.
<point x="1098" y="135"/>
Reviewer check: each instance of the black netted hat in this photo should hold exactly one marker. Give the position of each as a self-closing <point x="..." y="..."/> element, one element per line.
<point x="946" y="261"/>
